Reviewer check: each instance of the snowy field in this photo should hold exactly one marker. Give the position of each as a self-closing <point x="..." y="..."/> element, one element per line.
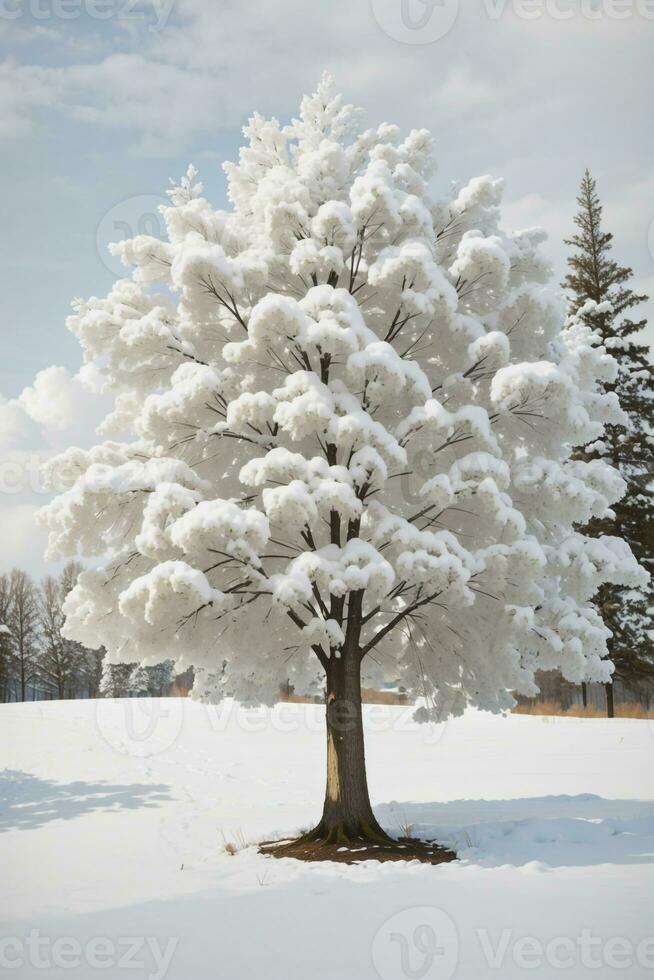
<point x="114" y="817"/>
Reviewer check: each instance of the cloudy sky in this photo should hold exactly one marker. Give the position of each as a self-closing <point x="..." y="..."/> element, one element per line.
<point x="102" y="101"/>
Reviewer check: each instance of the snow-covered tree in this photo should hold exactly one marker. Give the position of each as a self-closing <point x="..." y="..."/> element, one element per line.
<point x="351" y="412"/>
<point x="601" y="298"/>
<point x="161" y="678"/>
<point x="139" y="682"/>
<point x="92" y="670"/>
<point x="115" y="680"/>
<point x="155" y="681"/>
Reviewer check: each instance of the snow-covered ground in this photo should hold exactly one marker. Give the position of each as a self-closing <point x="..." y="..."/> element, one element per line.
<point x="114" y="816"/>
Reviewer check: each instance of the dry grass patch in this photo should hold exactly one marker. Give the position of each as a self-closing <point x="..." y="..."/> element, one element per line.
<point x="368" y="695"/>
<point x="235" y="842"/>
<point x="578" y="710"/>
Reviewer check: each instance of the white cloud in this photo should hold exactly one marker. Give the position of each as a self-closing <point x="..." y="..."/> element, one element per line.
<point x="629" y="214"/>
<point x="212" y="64"/>
<point x="24" y="89"/>
<point x="462" y="90"/>
<point x="61" y="403"/>
<point x="534" y="210"/>
<point x="16" y="428"/>
<point x="22" y="543"/>
<point x="56" y="411"/>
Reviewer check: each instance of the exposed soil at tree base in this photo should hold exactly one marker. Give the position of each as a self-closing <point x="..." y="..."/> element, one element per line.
<point x="403" y="849"/>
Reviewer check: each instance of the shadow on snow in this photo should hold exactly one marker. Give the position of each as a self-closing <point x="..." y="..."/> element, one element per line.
<point x="27" y="802"/>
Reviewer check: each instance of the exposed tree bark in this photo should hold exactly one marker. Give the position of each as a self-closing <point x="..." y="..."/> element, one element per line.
<point x="610" y="706"/>
<point x="347" y="813"/>
<point x="584" y="694"/>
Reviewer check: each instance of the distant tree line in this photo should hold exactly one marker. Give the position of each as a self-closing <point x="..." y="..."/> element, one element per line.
<point x="38" y="662"/>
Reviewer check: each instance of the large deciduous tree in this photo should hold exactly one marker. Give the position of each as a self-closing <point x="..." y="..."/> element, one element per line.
<point x="351" y="412"/>
<point x="601" y="298"/>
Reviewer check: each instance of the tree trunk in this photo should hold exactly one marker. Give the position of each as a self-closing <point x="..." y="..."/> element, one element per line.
<point x="610" y="707"/>
<point x="347" y="813"/>
<point x="584" y="694"/>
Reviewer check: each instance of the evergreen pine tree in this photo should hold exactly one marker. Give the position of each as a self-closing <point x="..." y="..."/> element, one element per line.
<point x="139" y="681"/>
<point x="599" y="294"/>
<point x="115" y="680"/>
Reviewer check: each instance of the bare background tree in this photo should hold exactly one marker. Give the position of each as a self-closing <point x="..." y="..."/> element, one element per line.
<point x="23" y="624"/>
<point x="61" y="661"/>
<point x="38" y="662"/>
